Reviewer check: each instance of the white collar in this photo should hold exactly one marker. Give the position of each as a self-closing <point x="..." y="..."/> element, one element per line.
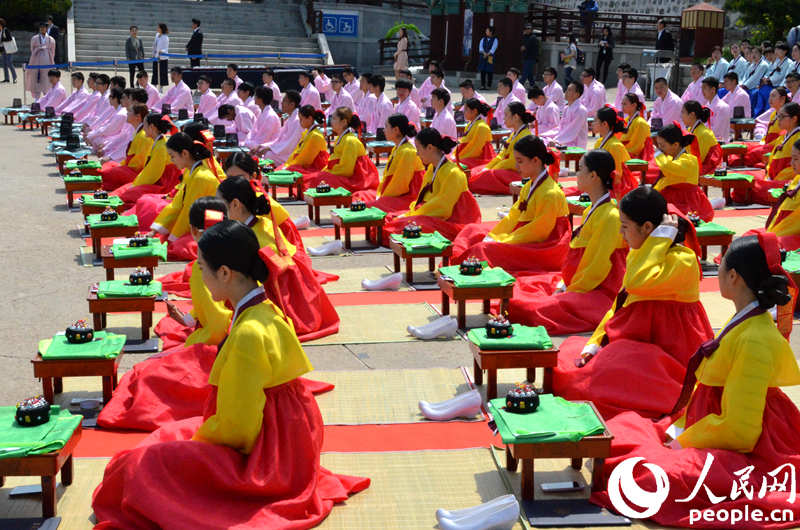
<point x="247" y="221"/>
<point x="194" y="166"/>
<point x="606" y="138"/>
<point x="246" y="298"/>
<point x="535" y="183"/>
<point x="696" y="125"/>
<point x="598" y="202"/>
<point x="738" y="316"/>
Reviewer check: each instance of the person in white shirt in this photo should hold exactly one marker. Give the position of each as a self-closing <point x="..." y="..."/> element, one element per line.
<point x="443" y="120"/>
<point x="667" y="106"/>
<point x="160" y="47"/>
<point x="153" y="95"/>
<point x="620" y="85"/>
<point x="548" y="115"/>
<point x="630" y="85"/>
<point x="179" y="96"/>
<point x="735" y="95"/>
<point x="281" y="149"/>
<point x="111" y="126"/>
<point x="694" y="91"/>
<point x="594" y="93"/>
<point x="309" y="95"/>
<point x="718" y="66"/>
<point x="232" y="72"/>
<point x="351" y="84"/>
<point x="738" y="62"/>
<point x="437" y="81"/>
<point x="382" y="108"/>
<point x="781" y="65"/>
<point x="56" y="94"/>
<point x="322" y="83"/>
<point x="268" y="124"/>
<point x="245" y="93"/>
<point x="366" y="100"/>
<point x="518" y="89"/>
<point x="268" y="78"/>
<point x="721" y="113"/>
<point x="339" y="97"/>
<point x="552" y="89"/>
<point x="207" y="105"/>
<point x="573" y="131"/>
<point x="243" y="120"/>
<point x="505" y="98"/>
<point x="756" y="70"/>
<point x="415" y="93"/>
<point x="78" y="93"/>
<point x="226" y="97"/>
<point x="405" y="105"/>
<point x="468" y="91"/>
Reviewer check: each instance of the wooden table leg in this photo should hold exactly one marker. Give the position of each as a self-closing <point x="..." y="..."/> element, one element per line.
<point x="70" y="199"/>
<point x="107" y="388"/>
<point x="110" y="274"/>
<point x="445" y="304"/>
<point x="66" y="472"/>
<point x="275" y="191"/>
<point x="503" y="305"/>
<point x="530" y="375"/>
<point x="723" y="249"/>
<point x="547" y="384"/>
<point x="445" y="260"/>
<point x="597" y="472"/>
<point x="337" y="232"/>
<point x="48" y="496"/>
<point x="396" y="263"/>
<point x="58" y="385"/>
<point x="477" y="373"/>
<point x="316" y="215"/>
<point x="487" y="306"/>
<point x="431" y="263"/>
<point x="462" y="314"/>
<point x="104" y="320"/>
<point x="47" y="389"/>
<point x="2" y="481"/>
<point x="310" y="212"/>
<point x="511" y="462"/>
<point x="96" y="247"/>
<point x="527" y="479"/>
<point x="576" y="463"/>
<point x="97" y="321"/>
<point x="703" y="252"/>
<point x="379" y="235"/>
<point x="491" y="385"/>
<point x="147" y="322"/>
<point x="409" y="270"/>
<point x="347" y="243"/>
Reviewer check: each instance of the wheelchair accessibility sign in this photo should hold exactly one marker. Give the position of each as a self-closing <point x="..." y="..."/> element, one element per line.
<point x="340" y="24"/>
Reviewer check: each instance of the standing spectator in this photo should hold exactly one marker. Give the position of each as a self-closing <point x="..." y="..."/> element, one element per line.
<point x="134" y="51"/>
<point x="487" y="49"/>
<point x="664" y="37"/>
<point x="530" y="55"/>
<point x="569" y="58"/>
<point x="53" y="31"/>
<point x="8" y="56"/>
<point x="605" y="53"/>
<point x="195" y="44"/>
<point x="794" y="36"/>
<point x="588" y="10"/>
<point x="401" y="55"/>
<point x="160" y="46"/>
<point x="43" y="49"/>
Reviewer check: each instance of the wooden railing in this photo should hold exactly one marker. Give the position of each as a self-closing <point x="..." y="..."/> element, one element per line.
<point x="396" y="4"/>
<point x="628" y="28"/>
<point x="418" y="51"/>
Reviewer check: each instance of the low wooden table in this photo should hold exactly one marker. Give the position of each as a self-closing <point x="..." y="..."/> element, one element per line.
<point x="77" y="187"/>
<point x="498" y="135"/>
<point x="726" y="186"/>
<point x="570" y="157"/>
<point x="110" y="262"/>
<point x="378" y="150"/>
<point x="739" y="151"/>
<point x="52" y="372"/>
<point x="723" y="240"/>
<point x="91" y="210"/>
<point x="30" y="120"/>
<point x="400" y="253"/>
<point x="100" y="307"/>
<point x="295" y="190"/>
<point x="597" y="447"/>
<point x="46" y="466"/>
<point x="640" y="168"/>
<point x="8" y="118"/>
<point x="460" y="295"/>
<point x="61" y="159"/>
<point x="339" y="225"/>
<point x="515" y="188"/>
<point x="314" y="204"/>
<point x="97" y="234"/>
<point x="740" y="127"/>
<point x="493" y="360"/>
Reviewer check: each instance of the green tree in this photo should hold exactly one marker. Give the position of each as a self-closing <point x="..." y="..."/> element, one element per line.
<point x="25" y="14"/>
<point x="770" y="19"/>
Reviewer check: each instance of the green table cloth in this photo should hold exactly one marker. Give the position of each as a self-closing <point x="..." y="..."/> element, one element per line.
<point x="776" y="192"/>
<point x="635" y="161"/>
<point x="122" y="289"/>
<point x="522" y="338"/>
<point x="104" y="346"/>
<point x="335" y="192"/>
<point x="424" y="244"/>
<point x="83" y="178"/>
<point x="380" y="143"/>
<point x="283" y="177"/>
<point x="579" y="203"/>
<point x="792" y="262"/>
<point x="16" y="441"/>
<point x="574" y="151"/>
<point x="489" y="276"/>
<point x="264" y="162"/>
<point x="734" y="146"/>
<point x="713" y="229"/>
<point x="555" y="420"/>
<point x="154" y="248"/>
<point x="94" y="221"/>
<point x="733" y="176"/>
<point x="88" y="164"/>
<point x="368" y="214"/>
<point x="113" y="201"/>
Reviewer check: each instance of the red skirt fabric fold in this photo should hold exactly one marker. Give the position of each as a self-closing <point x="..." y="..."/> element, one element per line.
<point x="182" y="249"/>
<point x="319" y="163"/>
<point x="115" y="175"/>
<point x="147" y="208"/>
<point x="486" y="156"/>
<point x="689" y="198"/>
<point x="177" y="282"/>
<point x="169" y="480"/>
<point x="130" y="193"/>
<point x="493" y="181"/>
<point x="466" y="211"/>
<point x="364" y="177"/>
<point x="399" y="203"/>
<point x="754" y="157"/>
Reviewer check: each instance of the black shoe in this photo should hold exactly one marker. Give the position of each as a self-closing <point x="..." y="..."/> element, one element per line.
<point x="6" y="81"/>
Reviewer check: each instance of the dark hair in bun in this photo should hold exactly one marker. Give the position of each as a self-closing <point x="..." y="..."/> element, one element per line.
<point x="644" y="204"/>
<point x="239" y="188"/>
<point x="244" y="162"/>
<point x="234" y="245"/>
<point x="747" y="258"/>
<point x="308" y="111"/>
<point x="430" y="136"/>
<point x="197" y="213"/>
<point x="674" y="135"/>
<point x="518" y="109"/>
<point x="601" y="162"/>
<point x="533" y="147"/>
<point x="476" y="104"/>
<point x="609" y="116"/>
<point x="401" y="122"/>
<point x="183" y="142"/>
<point x="693" y="107"/>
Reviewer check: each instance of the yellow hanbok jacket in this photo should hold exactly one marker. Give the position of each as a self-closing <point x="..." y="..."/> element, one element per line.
<point x="266" y="233"/>
<point x="477" y="134"/>
<point x="308" y="148"/>
<point x="684" y="169"/>
<point x="616" y="149"/>
<point x="505" y="158"/>
<point x="214" y="317"/>
<point x="544" y="206"/>
<point x="157" y="161"/>
<point x="450" y="183"/>
<point x="399" y="173"/>
<point x="787" y="224"/>
<point x="705" y="139"/>
<point x="599" y="237"/>
<point x="347" y="151"/>
<point x="138" y="150"/>
<point x="781" y="155"/>
<point x="636" y="136"/>
<point x="174" y="218"/>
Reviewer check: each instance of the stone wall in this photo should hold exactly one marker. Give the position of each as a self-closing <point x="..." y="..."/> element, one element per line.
<point x="652" y="7"/>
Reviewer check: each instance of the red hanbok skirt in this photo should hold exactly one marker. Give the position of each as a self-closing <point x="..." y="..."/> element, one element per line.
<point x="486" y="156"/>
<point x="643" y="365"/>
<point x="689" y="198"/>
<point x="778" y="446"/>
<point x="754" y="157"/>
<point x="130" y="193"/>
<point x="497" y="181"/>
<point x="171" y="481"/>
<point x="364" y="177"/>
<point x="466" y="211"/>
<point x="535" y="302"/>
<point x="318" y="164"/>
<point x="525" y="258"/>
<point x="115" y="175"/>
<point x="147" y="209"/>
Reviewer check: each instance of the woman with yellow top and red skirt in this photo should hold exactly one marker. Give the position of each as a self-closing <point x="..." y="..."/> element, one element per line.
<point x="754" y="157"/>
<point x="349" y="166"/>
<point x="402" y="176"/>
<point x="158" y="175"/>
<point x="636" y="138"/>
<point x="311" y="153"/>
<point x="575" y="299"/>
<point x="475" y="146"/>
<point x="732" y="430"/>
<point x="679" y="177"/>
<point x="637" y="356"/>
<point x="534" y="236"/>
<point x="254" y="455"/>
<point x="444" y="203"/>
<point x="118" y="174"/>
<point x="296" y="289"/>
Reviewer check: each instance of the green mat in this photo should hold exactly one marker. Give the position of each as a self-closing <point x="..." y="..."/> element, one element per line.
<point x="264" y="162"/>
<point x="104" y="346"/>
<point x="792" y="262"/>
<point x="378" y="143"/>
<point x="574" y="151"/>
<point x="489" y="276"/>
<point x="523" y="338"/>
<point x="283" y="177"/>
<point x="424" y="244"/>
<point x="368" y="214"/>
<point x="122" y="289"/>
<point x="123" y="220"/>
<point x="555" y="420"/>
<point x="776" y="192"/>
<point x="86" y="164"/>
<point x="635" y="161"/>
<point x="734" y="146"/>
<point x="734" y="176"/>
<point x="113" y="201"/>
<point x="713" y="229"/>
<point x="579" y="203"/>
<point x="16" y="441"/>
<point x="83" y="178"/>
<point x="335" y="192"/>
<point x="154" y="248"/>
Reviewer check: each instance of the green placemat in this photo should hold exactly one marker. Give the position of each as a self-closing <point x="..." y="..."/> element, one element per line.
<point x="579" y="203"/>
<point x="91" y="164"/>
<point x="83" y="178"/>
<point x="264" y="162"/>
<point x="424" y="244"/>
<point x="522" y="338"/>
<point x="94" y="221"/>
<point x="489" y="276"/>
<point x="283" y="177"/>
<point x="733" y="176"/>
<point x="154" y="248"/>
<point x="734" y="146"/>
<point x="335" y="192"/>
<point x="555" y="420"/>
<point x="122" y="289"/>
<point x="16" y="441"/>
<point x="368" y="214"/>
<point x="634" y="161"/>
<point x="574" y="151"/>
<point x="713" y="229"/>
<point x="380" y="143"/>
<point x="792" y="262"/>
<point x="104" y="346"/>
<point x="776" y="192"/>
<point x="112" y="201"/>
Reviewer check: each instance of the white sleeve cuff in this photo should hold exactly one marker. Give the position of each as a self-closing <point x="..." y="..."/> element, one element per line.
<point x="189" y="320"/>
<point x="172" y="238"/>
<point x="667" y="232"/>
<point x="158" y="228"/>
<point x="590" y="349"/>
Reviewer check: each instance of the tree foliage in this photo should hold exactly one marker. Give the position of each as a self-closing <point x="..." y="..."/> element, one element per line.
<point x="770" y="19"/>
<point x="23" y="15"/>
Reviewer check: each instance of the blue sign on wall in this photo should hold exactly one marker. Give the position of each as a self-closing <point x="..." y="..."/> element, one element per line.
<point x="340" y="24"/>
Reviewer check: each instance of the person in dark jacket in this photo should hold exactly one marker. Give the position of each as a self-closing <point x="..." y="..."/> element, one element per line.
<point x="134" y="51"/>
<point x="605" y="54"/>
<point x="530" y="54"/>
<point x="664" y="38"/>
<point x="195" y="44"/>
<point x="588" y="10"/>
<point x="53" y="31"/>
